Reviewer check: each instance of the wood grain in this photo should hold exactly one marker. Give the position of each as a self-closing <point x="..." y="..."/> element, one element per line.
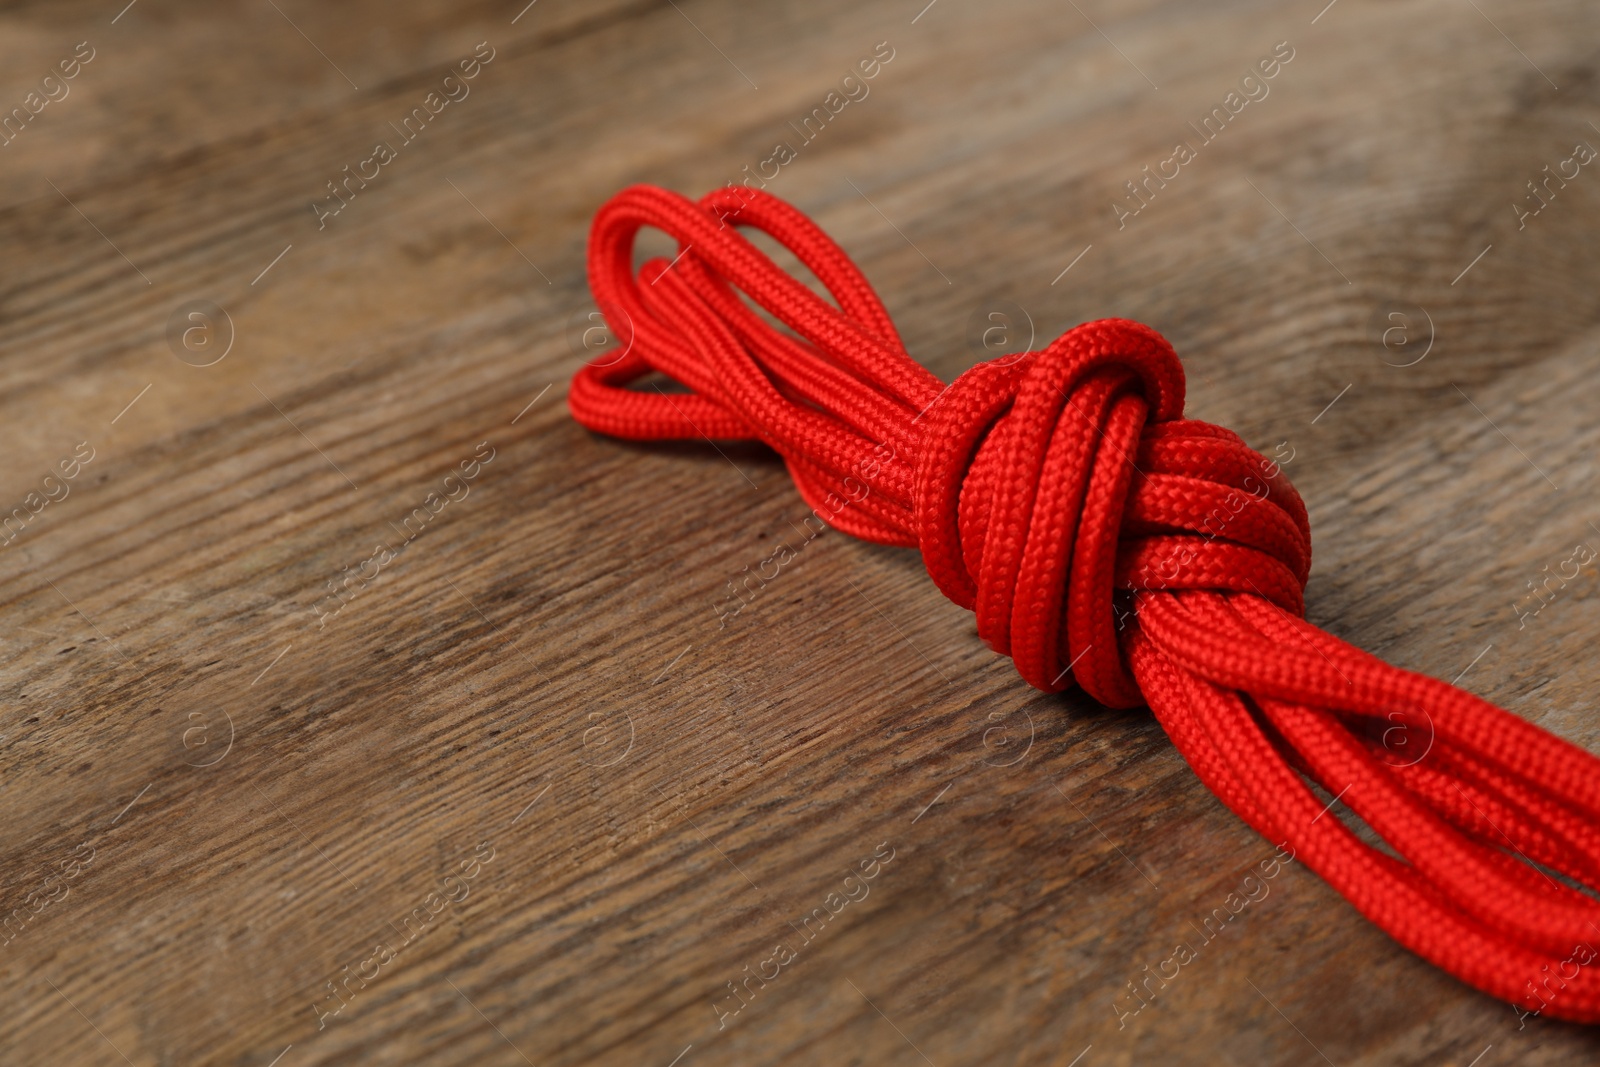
<point x="537" y="685"/>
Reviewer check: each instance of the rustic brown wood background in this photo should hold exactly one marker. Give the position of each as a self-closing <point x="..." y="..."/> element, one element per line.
<point x="542" y="672"/>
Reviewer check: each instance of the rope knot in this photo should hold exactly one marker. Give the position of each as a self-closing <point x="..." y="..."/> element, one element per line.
<point x="1053" y="488"/>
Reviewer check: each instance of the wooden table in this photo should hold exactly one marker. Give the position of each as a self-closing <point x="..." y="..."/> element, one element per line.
<point x="362" y="708"/>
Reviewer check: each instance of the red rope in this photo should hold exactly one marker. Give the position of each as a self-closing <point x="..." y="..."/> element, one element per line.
<point x="1098" y="534"/>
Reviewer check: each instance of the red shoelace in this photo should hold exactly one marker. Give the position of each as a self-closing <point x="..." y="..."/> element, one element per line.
<point x="1103" y="539"/>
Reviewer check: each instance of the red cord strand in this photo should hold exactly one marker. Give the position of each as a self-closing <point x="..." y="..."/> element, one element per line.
<point x="1103" y="539"/>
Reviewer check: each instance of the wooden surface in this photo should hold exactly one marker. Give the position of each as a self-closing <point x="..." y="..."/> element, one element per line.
<point x="218" y="798"/>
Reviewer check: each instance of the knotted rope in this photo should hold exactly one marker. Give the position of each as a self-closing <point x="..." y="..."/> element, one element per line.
<point x="1102" y="538"/>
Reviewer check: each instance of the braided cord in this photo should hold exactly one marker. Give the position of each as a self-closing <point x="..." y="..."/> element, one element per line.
<point x="1104" y="540"/>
